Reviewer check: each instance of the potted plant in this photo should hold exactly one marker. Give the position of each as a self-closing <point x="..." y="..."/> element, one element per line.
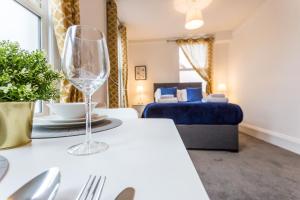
<point x="25" y="77"/>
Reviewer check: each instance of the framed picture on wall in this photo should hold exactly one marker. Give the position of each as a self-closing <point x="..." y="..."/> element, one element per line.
<point x="140" y="72"/>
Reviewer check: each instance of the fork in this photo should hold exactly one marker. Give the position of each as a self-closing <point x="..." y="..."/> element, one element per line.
<point x="92" y="189"/>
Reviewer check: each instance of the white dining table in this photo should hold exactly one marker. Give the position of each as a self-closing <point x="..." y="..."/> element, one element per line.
<point x="147" y="154"/>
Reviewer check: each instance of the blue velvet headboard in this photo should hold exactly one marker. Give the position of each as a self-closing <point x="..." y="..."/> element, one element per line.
<point x="178" y="85"/>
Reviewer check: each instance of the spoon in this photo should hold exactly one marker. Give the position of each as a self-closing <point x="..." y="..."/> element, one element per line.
<point x="126" y="194"/>
<point x="44" y="186"/>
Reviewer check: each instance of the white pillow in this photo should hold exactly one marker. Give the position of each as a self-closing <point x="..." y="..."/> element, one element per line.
<point x="169" y="100"/>
<point x="182" y="95"/>
<point x="167" y="96"/>
<point x="157" y="95"/>
<point x="217" y="95"/>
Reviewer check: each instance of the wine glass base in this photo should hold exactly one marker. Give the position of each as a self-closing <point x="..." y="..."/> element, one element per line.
<point x="88" y="148"/>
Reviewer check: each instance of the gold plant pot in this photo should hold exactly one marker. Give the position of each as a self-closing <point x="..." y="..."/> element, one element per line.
<point x="15" y="123"/>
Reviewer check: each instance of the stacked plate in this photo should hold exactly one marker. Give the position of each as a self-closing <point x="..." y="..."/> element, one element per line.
<point x="55" y="121"/>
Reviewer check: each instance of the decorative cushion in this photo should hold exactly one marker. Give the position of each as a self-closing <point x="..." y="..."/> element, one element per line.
<point x="182" y="95"/>
<point x="194" y="94"/>
<point x="170" y="90"/>
<point x="157" y="94"/>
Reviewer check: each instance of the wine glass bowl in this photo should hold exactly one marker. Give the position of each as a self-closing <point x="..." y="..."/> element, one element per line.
<point x="85" y="58"/>
<point x="85" y="63"/>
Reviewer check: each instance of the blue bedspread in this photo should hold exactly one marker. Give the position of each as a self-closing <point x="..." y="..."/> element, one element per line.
<point x="196" y="113"/>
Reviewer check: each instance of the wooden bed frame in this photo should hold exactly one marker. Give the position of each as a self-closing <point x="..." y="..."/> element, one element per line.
<point x="202" y="136"/>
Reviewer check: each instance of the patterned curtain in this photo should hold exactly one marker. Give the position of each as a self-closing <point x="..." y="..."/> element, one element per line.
<point x="199" y="52"/>
<point x="112" y="43"/>
<point x="124" y="67"/>
<point x="65" y="13"/>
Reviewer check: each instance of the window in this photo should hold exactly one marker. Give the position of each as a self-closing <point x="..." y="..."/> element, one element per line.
<point x="187" y="73"/>
<point x="24" y="21"/>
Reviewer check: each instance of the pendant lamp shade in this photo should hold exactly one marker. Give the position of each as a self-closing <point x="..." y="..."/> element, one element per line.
<point x="182" y="6"/>
<point x="193" y="19"/>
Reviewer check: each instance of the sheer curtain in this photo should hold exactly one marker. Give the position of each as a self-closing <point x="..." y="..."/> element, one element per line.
<point x="199" y="52"/>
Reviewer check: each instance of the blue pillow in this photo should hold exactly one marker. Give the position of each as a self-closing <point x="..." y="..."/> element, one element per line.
<point x="170" y="90"/>
<point x="194" y="94"/>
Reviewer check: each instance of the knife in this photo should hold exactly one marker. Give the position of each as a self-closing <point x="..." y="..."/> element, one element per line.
<point x="42" y="187"/>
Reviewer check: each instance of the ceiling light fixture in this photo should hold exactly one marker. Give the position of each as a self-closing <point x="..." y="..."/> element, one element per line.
<point x="183" y="6"/>
<point x="193" y="19"/>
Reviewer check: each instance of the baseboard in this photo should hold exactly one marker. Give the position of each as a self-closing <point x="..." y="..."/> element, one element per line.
<point x="275" y="138"/>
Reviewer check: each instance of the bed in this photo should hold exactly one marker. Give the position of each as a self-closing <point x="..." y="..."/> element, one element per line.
<point x="211" y="126"/>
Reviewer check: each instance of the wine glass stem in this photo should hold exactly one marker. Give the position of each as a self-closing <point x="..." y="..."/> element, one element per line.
<point x="88" y="109"/>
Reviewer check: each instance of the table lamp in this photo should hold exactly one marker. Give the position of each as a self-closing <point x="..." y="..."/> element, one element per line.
<point x="140" y="91"/>
<point x="222" y="88"/>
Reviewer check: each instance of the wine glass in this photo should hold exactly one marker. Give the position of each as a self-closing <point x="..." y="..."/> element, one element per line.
<point x="85" y="64"/>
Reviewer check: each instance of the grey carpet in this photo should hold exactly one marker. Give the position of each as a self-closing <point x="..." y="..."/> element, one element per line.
<point x="260" y="171"/>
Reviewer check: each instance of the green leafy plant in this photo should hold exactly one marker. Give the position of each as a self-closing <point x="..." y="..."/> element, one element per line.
<point x="24" y="75"/>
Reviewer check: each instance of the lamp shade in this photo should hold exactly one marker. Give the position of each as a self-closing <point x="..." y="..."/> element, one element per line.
<point x="193" y="19"/>
<point x="222" y="88"/>
<point x="182" y="6"/>
<point x="140" y="89"/>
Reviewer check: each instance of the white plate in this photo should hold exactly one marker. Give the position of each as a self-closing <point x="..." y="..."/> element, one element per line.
<point x="57" y="119"/>
<point x="52" y="125"/>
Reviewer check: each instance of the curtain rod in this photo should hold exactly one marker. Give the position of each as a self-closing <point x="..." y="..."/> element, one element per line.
<point x="204" y="37"/>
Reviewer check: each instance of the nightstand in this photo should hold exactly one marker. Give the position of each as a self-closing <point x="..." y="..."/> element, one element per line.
<point x="139" y="108"/>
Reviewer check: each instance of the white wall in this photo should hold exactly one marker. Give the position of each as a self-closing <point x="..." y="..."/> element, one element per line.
<point x="93" y="13"/>
<point x="162" y="61"/>
<point x="264" y="69"/>
<point x="220" y="64"/>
